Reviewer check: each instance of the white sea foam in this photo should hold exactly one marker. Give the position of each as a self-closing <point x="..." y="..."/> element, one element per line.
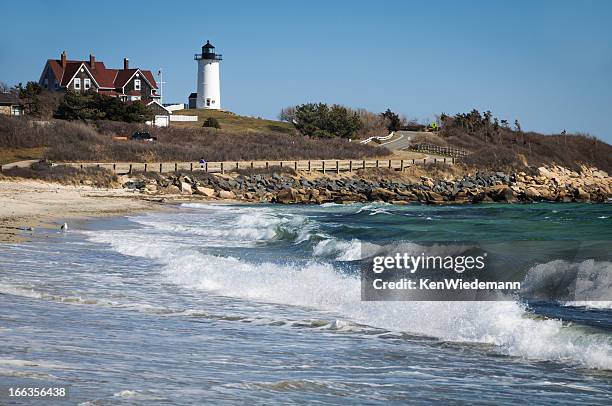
<point x="319" y="285"/>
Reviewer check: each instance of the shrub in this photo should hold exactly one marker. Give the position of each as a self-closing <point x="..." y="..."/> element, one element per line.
<point x="322" y="121"/>
<point x="91" y="105"/>
<point x="211" y="122"/>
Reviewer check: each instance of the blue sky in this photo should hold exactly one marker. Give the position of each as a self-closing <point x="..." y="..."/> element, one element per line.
<point x="547" y="63"/>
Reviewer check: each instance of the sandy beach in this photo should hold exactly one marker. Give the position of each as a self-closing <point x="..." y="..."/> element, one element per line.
<point x="27" y="204"/>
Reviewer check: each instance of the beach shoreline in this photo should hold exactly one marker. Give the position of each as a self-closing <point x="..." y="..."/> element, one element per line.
<point x="27" y="205"/>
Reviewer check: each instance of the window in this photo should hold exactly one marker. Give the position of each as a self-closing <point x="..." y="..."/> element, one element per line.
<point x="46" y="83"/>
<point x="86" y="84"/>
<point x="207" y="102"/>
<point x="137" y="84"/>
<point x="56" y="84"/>
<point x="77" y="83"/>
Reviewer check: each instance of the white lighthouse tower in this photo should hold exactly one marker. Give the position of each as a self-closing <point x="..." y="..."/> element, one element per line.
<point x="209" y="86"/>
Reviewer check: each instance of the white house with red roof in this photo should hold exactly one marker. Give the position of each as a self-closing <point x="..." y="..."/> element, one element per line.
<point x="129" y="84"/>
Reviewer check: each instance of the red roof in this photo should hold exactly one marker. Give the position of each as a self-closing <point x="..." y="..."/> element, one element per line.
<point x="106" y="78"/>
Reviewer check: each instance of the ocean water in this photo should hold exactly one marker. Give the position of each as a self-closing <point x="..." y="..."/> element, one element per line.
<point x="256" y="304"/>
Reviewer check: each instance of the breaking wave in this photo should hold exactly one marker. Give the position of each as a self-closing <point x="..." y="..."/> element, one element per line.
<point x="324" y="285"/>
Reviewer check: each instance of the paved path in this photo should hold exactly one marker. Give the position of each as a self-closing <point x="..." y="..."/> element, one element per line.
<point x="403" y="140"/>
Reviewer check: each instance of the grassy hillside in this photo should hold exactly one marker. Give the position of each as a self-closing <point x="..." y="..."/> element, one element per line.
<point x="234" y="123"/>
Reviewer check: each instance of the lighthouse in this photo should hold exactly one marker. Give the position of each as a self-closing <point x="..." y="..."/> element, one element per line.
<point x="209" y="85"/>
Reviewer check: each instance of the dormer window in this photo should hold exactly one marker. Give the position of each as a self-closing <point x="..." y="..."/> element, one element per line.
<point x="77" y="84"/>
<point x="86" y="84"/>
<point x="137" y="84"/>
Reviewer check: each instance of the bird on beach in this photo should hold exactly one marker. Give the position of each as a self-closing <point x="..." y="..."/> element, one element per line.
<point x="64" y="227"/>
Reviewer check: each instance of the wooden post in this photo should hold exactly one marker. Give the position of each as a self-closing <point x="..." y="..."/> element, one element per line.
<point x="267" y="165"/>
<point x="81" y="166"/>
<point x="160" y="167"/>
<point x="402" y="165"/>
<point x="453" y="159"/>
<point x="295" y="166"/>
<point x="191" y="166"/>
<point x="114" y="167"/>
<point x="281" y="164"/>
<point x="145" y="169"/>
<point x="130" y="172"/>
<point x="435" y="160"/>
<point x="389" y="164"/>
<point x="236" y="165"/>
<point x="323" y="166"/>
<point x="309" y="168"/>
<point x="413" y="161"/>
<point x="337" y="167"/>
<point x="363" y="164"/>
<point x="444" y="160"/>
<point x="424" y="161"/>
<point x="377" y="163"/>
<point x="251" y="164"/>
<point x="222" y="170"/>
<point x="176" y="167"/>
<point x="206" y="167"/>
<point x="351" y="166"/>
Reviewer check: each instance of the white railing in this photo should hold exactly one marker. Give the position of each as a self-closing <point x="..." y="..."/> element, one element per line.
<point x="379" y="138"/>
<point x="178" y="117"/>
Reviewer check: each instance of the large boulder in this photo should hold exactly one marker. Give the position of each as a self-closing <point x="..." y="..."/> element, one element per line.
<point x="501" y="193"/>
<point x="287" y="195"/>
<point x="185" y="188"/>
<point x="226" y="194"/>
<point x="382" y="194"/>
<point x="204" y="191"/>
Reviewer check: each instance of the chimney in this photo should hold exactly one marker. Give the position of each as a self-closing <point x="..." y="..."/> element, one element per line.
<point x="92" y="61"/>
<point x="126" y="63"/>
<point x="63" y="58"/>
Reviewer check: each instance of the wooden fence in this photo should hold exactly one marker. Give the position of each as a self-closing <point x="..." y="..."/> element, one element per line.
<point x="333" y="166"/>
<point x="438" y="150"/>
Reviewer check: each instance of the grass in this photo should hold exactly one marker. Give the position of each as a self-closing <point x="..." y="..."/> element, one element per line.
<point x="60" y="140"/>
<point x="8" y="155"/>
<point x="66" y="175"/>
<point x="231" y="122"/>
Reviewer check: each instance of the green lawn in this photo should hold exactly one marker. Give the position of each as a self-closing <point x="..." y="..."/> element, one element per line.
<point x="232" y="122"/>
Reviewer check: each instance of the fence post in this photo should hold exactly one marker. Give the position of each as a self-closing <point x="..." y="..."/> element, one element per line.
<point x="337" y="167"/>
<point x="130" y="172"/>
<point x="309" y="169"/>
<point x="281" y="164"/>
<point x="114" y="167"/>
<point x="444" y="160"/>
<point x="267" y="165"/>
<point x="453" y="158"/>
<point x="323" y="166"/>
<point x="413" y="161"/>
<point x="81" y="166"/>
<point x="295" y="165"/>
<point x="145" y="169"/>
<point x="364" y="164"/>
<point x="160" y="167"/>
<point x="191" y="166"/>
<point x="389" y="164"/>
<point x="206" y="167"/>
<point x="424" y="161"/>
<point x="402" y="165"/>
<point x="435" y="160"/>
<point x="251" y="164"/>
<point x="351" y="166"/>
<point x="377" y="163"/>
<point x="176" y="167"/>
<point x="222" y="170"/>
<point x="236" y="165"/>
